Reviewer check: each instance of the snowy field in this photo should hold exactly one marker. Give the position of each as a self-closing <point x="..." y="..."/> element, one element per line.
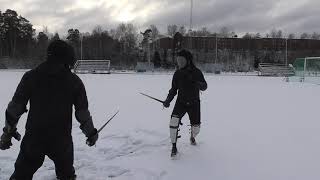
<point x="253" y="128"/>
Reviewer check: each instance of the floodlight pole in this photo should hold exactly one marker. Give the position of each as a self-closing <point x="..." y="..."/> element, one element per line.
<point x="191" y="14"/>
<point x="149" y="55"/>
<point x="81" y="39"/>
<point x="286" y="51"/>
<point x="216" y="59"/>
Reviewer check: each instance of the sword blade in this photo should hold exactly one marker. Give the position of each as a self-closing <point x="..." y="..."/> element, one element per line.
<point x="108" y="121"/>
<point x="152" y="97"/>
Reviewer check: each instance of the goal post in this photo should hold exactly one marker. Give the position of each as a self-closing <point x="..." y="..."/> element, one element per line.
<point x="92" y="66"/>
<point x="307" y="69"/>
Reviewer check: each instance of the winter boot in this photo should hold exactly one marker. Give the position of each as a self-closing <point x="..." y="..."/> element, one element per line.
<point x="193" y="141"/>
<point x="174" y="150"/>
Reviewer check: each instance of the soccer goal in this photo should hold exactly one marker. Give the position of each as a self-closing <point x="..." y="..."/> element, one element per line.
<point x="307" y="70"/>
<point x="92" y="66"/>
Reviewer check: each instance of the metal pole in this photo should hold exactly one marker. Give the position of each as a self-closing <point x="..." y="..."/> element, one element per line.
<point x="215" y="62"/>
<point x="287" y="51"/>
<point x="191" y="9"/>
<point x="81" y="39"/>
<point x="149" y="58"/>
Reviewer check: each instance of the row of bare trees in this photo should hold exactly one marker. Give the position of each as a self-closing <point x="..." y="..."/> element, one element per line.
<point x="18" y="39"/>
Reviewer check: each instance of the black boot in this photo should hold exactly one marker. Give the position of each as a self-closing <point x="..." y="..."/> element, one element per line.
<point x="193" y="141"/>
<point x="174" y="150"/>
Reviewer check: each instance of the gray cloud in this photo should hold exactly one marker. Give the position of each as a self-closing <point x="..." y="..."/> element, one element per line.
<point x="241" y="16"/>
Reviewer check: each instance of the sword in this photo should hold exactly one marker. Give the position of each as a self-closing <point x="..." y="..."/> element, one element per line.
<point x="152" y="97"/>
<point x="104" y="125"/>
<point x="107" y="122"/>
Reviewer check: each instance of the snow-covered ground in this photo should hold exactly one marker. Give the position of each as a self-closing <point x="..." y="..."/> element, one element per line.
<point x="253" y="128"/>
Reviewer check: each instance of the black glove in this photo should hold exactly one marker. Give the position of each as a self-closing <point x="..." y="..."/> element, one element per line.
<point x="92" y="139"/>
<point x="5" y="140"/>
<point x="166" y="104"/>
<point x="202" y="86"/>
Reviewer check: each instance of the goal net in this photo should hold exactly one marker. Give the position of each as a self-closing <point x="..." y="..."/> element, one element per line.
<point x="307" y="70"/>
<point x="92" y="66"/>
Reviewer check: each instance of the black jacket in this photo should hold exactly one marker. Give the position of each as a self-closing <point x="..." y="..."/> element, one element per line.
<point x="52" y="90"/>
<point x="187" y="82"/>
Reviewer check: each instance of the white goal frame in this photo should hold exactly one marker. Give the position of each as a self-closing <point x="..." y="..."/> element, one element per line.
<point x="310" y="73"/>
<point x="92" y="67"/>
<point x="307" y="74"/>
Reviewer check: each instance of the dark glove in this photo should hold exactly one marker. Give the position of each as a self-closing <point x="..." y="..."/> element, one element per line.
<point x="92" y="139"/>
<point x="5" y="140"/>
<point x="166" y="104"/>
<point x="202" y="86"/>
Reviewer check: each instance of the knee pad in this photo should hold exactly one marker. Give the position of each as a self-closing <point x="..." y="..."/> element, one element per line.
<point x="195" y="129"/>
<point x="174" y="126"/>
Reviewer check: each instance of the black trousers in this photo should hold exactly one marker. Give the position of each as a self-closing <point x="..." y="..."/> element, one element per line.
<point x="191" y="108"/>
<point x="33" y="150"/>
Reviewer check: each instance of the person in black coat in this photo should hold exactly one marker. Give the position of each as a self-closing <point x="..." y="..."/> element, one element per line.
<point x="52" y="90"/>
<point x="187" y="81"/>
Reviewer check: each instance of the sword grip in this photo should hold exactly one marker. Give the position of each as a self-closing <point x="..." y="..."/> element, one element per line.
<point x="17" y="136"/>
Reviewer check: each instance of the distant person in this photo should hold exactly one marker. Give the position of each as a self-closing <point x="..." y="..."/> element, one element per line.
<point x="52" y="89"/>
<point x="188" y="80"/>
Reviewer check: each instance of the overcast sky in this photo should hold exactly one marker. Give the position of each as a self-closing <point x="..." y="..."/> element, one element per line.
<point x="239" y="15"/>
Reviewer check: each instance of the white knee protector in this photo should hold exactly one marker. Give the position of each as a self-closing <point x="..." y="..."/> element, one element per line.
<point x="174" y="125"/>
<point x="195" y="129"/>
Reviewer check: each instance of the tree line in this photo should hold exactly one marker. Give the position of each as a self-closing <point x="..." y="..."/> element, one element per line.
<point x="123" y="44"/>
<point x="18" y="40"/>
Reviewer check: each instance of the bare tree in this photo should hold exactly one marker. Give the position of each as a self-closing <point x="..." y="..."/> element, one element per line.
<point x="291" y="36"/>
<point x="127" y="35"/>
<point x="97" y="30"/>
<point x="225" y="32"/>
<point x="155" y="32"/>
<point x="247" y="36"/>
<point x="172" y="29"/>
<point x="304" y="36"/>
<point x="273" y="33"/>
<point x="204" y="31"/>
<point x="279" y="34"/>
<point x="257" y="36"/>
<point x="315" y="36"/>
<point x="182" y="30"/>
<point x="112" y="33"/>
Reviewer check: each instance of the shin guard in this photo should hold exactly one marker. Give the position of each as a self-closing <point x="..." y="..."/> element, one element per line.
<point x="174" y="126"/>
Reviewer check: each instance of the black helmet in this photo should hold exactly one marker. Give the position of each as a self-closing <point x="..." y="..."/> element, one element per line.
<point x="60" y="52"/>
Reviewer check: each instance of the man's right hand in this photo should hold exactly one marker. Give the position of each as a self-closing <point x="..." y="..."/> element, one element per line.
<point x="5" y="139"/>
<point x="92" y="139"/>
<point x="166" y="104"/>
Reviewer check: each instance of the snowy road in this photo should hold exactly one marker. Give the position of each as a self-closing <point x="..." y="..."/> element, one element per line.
<point x="254" y="128"/>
